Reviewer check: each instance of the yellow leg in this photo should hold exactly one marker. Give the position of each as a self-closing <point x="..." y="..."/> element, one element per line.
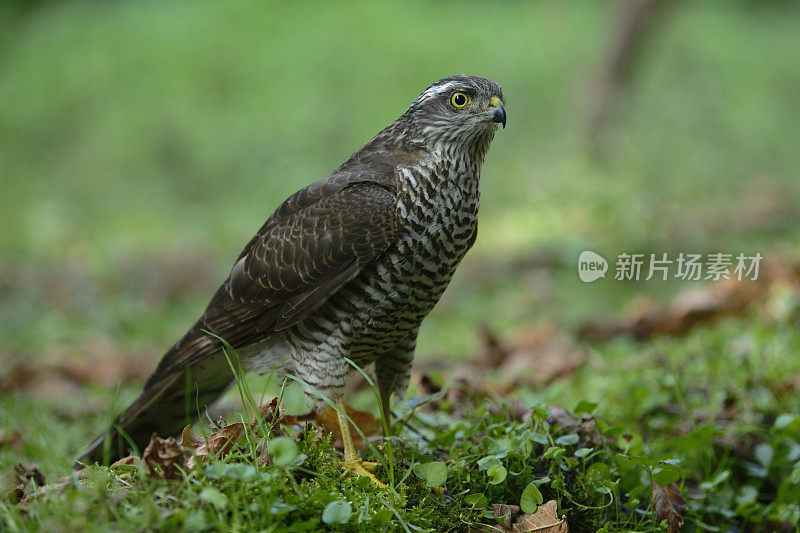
<point x="352" y="463"/>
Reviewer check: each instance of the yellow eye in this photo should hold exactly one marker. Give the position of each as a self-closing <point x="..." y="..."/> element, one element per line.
<point x="459" y="100"/>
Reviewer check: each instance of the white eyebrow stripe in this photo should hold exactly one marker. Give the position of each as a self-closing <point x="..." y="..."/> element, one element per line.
<point x="436" y="91"/>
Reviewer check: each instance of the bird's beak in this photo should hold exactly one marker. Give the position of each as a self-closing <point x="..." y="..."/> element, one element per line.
<point x="496" y="112"/>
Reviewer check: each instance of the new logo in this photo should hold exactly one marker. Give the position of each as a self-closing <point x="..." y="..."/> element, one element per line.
<point x="591" y="266"/>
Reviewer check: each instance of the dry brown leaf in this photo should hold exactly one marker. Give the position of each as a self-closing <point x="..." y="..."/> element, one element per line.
<point x="508" y="513"/>
<point x="588" y="435"/>
<point x="544" y="520"/>
<point x="19" y="479"/>
<point x="57" y="487"/>
<point x="562" y="417"/>
<point x="585" y="428"/>
<point x="30" y="472"/>
<point x="223" y="440"/>
<point x="217" y="444"/>
<point x="272" y="415"/>
<point x="125" y="461"/>
<point x="190" y="440"/>
<point x="225" y="436"/>
<point x="669" y="505"/>
<point x="367" y="423"/>
<point x="163" y="457"/>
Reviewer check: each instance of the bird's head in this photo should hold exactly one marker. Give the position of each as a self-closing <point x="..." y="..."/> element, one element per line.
<point x="459" y="110"/>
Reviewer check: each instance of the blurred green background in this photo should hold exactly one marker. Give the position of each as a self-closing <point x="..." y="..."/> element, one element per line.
<point x="143" y="143"/>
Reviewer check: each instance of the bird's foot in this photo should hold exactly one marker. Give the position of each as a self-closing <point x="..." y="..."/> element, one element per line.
<point x="362" y="469"/>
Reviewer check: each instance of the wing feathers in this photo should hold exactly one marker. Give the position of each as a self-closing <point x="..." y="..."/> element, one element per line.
<point x="300" y="258"/>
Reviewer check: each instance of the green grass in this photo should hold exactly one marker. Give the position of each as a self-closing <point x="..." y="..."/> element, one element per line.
<point x="729" y="438"/>
<point x="141" y="145"/>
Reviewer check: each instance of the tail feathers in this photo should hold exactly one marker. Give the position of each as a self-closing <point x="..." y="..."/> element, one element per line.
<point x="175" y="395"/>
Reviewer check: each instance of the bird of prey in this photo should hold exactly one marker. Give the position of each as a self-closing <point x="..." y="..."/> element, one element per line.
<point x="347" y="267"/>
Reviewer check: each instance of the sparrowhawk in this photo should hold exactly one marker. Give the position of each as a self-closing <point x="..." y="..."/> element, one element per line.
<point x="347" y="267"/>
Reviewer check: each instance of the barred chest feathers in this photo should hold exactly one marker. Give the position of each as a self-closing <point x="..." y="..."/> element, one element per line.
<point x="438" y="205"/>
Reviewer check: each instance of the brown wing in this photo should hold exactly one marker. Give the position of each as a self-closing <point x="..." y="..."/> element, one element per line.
<point x="301" y="258"/>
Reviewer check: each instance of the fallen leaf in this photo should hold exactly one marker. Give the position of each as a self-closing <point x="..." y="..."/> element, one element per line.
<point x="30" y="472"/>
<point x="264" y="458"/>
<point x="544" y="520"/>
<point x="217" y="444"/>
<point x="508" y="513"/>
<point x="367" y="423"/>
<point x="163" y="457"/>
<point x="223" y="440"/>
<point x="585" y="428"/>
<point x="20" y="479"/>
<point x="272" y="415"/>
<point x="562" y="417"/>
<point x="669" y="505"/>
<point x="190" y="440"/>
<point x="125" y="461"/>
<point x="57" y="487"/>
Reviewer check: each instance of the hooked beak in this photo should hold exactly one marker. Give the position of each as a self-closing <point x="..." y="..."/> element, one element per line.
<point x="497" y="113"/>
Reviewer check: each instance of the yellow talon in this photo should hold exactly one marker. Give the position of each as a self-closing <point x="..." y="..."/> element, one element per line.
<point x="352" y="463"/>
<point x="357" y="467"/>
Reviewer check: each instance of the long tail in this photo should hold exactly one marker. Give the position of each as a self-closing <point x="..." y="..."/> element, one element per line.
<point x="190" y="376"/>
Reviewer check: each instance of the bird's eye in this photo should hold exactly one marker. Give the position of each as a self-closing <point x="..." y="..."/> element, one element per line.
<point x="459" y="100"/>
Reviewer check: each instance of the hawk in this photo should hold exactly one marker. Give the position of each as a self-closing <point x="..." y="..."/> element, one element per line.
<point x="347" y="267"/>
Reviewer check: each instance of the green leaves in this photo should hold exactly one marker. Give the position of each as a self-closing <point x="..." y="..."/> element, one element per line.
<point x="238" y="471"/>
<point x="785" y="420"/>
<point x="477" y="500"/>
<point x="531" y="499"/>
<point x="283" y="451"/>
<point x="720" y="478"/>
<point x="214" y="497"/>
<point x="497" y="474"/>
<point x="665" y="473"/>
<point x="337" y="512"/>
<point x="764" y="454"/>
<point x="567" y="440"/>
<point x="585" y="407"/>
<point x="433" y="473"/>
